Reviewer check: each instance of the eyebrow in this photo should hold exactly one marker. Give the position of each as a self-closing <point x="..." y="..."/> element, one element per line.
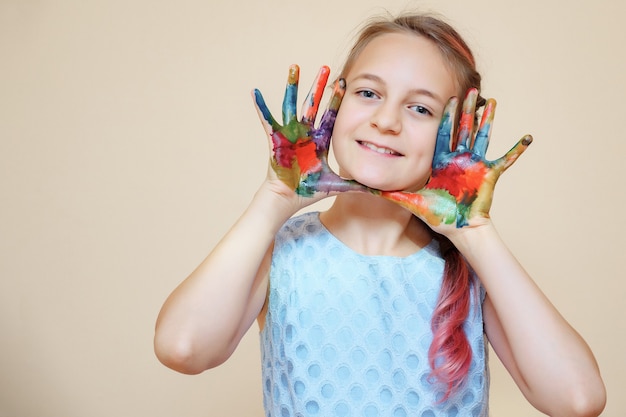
<point x="417" y="91"/>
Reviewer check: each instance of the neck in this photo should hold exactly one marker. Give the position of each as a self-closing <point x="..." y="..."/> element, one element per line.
<point x="372" y="226"/>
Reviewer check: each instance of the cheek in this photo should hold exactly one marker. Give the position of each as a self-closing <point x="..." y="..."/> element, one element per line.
<point x="352" y="113"/>
<point x="339" y="132"/>
<point x="345" y="125"/>
<point x="341" y="122"/>
<point x="425" y="139"/>
<point x="337" y="145"/>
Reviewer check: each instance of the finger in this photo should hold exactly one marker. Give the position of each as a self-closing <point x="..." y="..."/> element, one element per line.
<point x="466" y="124"/>
<point x="511" y="156"/>
<point x="481" y="143"/>
<point x="444" y="133"/>
<point x="312" y="101"/>
<point x="339" y="89"/>
<point x="269" y="123"/>
<point x="323" y="134"/>
<point x="291" y="95"/>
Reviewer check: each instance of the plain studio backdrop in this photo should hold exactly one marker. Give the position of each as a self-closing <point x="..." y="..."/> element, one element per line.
<point x="129" y="144"/>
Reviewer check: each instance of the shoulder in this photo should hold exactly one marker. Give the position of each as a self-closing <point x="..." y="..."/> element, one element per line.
<point x="303" y="239"/>
<point x="298" y="226"/>
<point x="303" y="220"/>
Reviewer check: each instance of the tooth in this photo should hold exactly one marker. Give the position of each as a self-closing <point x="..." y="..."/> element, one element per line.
<point x="379" y="150"/>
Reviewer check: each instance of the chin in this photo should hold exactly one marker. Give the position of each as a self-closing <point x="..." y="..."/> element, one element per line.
<point x="385" y="182"/>
<point x="385" y="186"/>
<point x="370" y="182"/>
<point x="407" y="188"/>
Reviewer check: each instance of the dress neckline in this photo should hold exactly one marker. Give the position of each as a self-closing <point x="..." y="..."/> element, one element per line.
<point x="431" y="247"/>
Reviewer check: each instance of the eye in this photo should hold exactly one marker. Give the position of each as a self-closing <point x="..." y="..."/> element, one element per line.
<point x="367" y="94"/>
<point x="421" y="110"/>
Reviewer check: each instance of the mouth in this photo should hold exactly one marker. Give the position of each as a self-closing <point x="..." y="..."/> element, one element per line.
<point x="378" y="149"/>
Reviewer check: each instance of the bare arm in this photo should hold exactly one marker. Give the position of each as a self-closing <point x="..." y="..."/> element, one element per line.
<point x="203" y="320"/>
<point x="547" y="358"/>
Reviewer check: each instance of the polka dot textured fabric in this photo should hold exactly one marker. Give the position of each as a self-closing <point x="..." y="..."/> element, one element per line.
<point x="348" y="334"/>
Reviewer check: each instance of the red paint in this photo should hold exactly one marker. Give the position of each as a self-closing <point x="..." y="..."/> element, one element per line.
<point x="461" y="178"/>
<point x="306" y="156"/>
<point x="302" y="152"/>
<point x="283" y="150"/>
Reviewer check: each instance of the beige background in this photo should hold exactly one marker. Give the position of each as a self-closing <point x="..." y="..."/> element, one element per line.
<point x="128" y="145"/>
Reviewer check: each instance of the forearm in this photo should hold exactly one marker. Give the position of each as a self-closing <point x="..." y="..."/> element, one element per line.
<point x="556" y="367"/>
<point x="204" y="318"/>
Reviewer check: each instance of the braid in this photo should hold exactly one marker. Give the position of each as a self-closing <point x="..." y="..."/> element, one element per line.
<point x="450" y="354"/>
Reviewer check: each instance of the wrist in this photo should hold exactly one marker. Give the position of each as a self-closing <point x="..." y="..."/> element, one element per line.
<point x="473" y="237"/>
<point x="272" y="203"/>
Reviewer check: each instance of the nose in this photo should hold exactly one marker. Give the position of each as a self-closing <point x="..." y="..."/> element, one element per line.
<point x="386" y="118"/>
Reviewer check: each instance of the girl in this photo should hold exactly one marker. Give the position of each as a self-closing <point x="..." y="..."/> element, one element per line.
<point x="381" y="304"/>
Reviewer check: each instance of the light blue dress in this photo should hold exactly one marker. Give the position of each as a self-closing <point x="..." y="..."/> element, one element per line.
<point x="348" y="334"/>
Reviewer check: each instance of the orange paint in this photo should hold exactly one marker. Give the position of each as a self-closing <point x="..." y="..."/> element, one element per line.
<point x="306" y="156"/>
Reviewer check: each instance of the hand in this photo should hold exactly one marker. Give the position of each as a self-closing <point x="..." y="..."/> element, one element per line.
<point x="461" y="186"/>
<point x="299" y="149"/>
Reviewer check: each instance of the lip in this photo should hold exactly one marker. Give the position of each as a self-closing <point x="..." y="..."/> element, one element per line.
<point x="376" y="148"/>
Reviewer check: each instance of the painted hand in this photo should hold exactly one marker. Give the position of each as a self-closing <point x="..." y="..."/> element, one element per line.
<point x="299" y="149"/>
<point x="461" y="186"/>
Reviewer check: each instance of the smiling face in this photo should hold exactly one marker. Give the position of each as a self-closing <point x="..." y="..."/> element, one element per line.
<point x="385" y="132"/>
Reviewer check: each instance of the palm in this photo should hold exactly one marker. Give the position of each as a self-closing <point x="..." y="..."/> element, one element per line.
<point x="461" y="186"/>
<point x="299" y="149"/>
